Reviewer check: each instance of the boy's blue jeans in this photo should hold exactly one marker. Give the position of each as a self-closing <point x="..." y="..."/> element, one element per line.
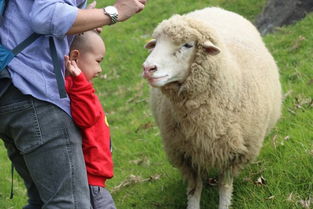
<point x="46" y="150"/>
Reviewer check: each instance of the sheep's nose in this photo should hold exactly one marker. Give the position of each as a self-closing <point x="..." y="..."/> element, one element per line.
<point x="149" y="68"/>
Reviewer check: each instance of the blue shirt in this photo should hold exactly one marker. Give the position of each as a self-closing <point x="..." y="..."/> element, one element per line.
<point x="32" y="70"/>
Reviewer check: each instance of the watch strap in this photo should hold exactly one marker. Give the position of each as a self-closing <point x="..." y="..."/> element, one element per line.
<point x="113" y="16"/>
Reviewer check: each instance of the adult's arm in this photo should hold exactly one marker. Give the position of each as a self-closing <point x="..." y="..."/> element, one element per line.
<point x="57" y="18"/>
<point x="95" y="18"/>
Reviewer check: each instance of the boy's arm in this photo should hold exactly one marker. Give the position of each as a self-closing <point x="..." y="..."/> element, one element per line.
<point x="84" y="103"/>
<point x="84" y="107"/>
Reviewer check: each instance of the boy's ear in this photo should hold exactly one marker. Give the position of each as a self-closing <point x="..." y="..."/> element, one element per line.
<point x="74" y="54"/>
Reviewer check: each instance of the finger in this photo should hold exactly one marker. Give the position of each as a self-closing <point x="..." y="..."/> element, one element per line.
<point x="74" y="64"/>
<point x="66" y="60"/>
<point x="92" y="5"/>
<point x="98" y="30"/>
<point x="143" y="1"/>
<point x="140" y="7"/>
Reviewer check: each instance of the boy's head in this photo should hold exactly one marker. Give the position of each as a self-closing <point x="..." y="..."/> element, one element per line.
<point x="88" y="50"/>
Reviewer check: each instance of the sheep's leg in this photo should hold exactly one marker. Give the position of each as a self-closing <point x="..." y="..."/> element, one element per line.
<point x="225" y="189"/>
<point x="194" y="190"/>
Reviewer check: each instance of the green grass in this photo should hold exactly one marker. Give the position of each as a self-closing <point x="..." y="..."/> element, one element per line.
<point x="285" y="162"/>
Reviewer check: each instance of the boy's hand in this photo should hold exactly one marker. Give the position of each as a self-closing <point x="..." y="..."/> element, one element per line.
<point x="71" y="66"/>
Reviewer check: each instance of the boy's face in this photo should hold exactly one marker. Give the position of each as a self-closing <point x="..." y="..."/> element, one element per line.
<point x="89" y="60"/>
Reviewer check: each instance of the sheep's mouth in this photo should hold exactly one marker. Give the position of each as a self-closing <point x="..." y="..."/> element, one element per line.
<point x="154" y="79"/>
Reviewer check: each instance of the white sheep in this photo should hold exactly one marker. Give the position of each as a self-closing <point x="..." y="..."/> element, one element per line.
<point x="216" y="95"/>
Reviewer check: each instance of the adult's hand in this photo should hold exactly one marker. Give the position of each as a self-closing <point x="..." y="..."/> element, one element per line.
<point x="93" y="5"/>
<point x="127" y="8"/>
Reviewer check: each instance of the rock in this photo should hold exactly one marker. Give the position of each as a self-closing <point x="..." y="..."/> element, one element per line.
<point x="282" y="12"/>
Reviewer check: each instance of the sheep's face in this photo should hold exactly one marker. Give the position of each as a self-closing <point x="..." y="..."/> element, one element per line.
<point x="168" y="61"/>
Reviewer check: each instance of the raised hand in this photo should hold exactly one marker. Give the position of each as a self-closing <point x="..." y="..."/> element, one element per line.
<point x="71" y="66"/>
<point x="127" y="8"/>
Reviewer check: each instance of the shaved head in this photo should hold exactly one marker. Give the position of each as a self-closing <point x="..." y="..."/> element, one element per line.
<point x="86" y="41"/>
<point x="88" y="51"/>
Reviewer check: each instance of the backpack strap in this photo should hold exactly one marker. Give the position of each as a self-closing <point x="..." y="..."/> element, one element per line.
<point x="3" y="4"/>
<point x="12" y="178"/>
<point x="57" y="69"/>
<point x="30" y="39"/>
<point x="7" y="55"/>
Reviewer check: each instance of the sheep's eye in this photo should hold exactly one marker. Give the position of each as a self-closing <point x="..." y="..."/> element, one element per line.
<point x="151" y="44"/>
<point x="187" y="45"/>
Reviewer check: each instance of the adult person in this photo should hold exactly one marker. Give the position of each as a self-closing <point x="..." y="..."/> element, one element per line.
<point x="42" y="141"/>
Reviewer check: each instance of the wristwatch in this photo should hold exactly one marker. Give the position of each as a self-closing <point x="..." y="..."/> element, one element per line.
<point x="112" y="12"/>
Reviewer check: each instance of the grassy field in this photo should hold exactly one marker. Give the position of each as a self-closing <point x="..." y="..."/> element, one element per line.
<point x="282" y="176"/>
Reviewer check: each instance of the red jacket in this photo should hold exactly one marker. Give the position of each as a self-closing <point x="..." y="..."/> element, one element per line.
<point x="88" y="114"/>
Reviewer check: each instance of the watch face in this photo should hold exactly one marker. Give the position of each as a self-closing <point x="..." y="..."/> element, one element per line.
<point x="111" y="10"/>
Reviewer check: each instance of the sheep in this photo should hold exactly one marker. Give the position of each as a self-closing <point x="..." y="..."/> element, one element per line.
<point x="215" y="95"/>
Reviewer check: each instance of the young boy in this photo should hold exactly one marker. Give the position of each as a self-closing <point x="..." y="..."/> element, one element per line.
<point x="82" y="65"/>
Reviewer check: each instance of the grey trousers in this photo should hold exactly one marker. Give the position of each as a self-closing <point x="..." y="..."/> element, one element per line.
<point x="101" y="198"/>
<point x="45" y="148"/>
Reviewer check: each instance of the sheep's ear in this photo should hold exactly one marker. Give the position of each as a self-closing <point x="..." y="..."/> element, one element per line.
<point x="150" y="44"/>
<point x="211" y="48"/>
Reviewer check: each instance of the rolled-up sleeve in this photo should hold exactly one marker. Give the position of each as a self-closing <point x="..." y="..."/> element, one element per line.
<point x="53" y="17"/>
